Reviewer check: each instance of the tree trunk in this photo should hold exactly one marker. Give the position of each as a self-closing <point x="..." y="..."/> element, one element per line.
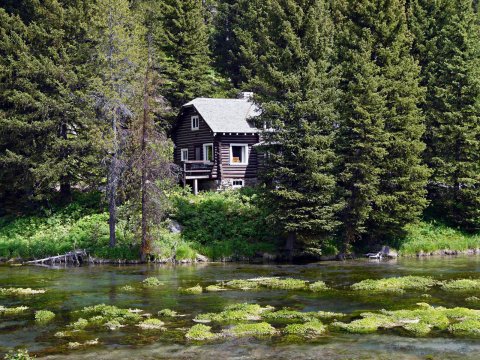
<point x="65" y="190"/>
<point x="290" y="245"/>
<point x="112" y="209"/>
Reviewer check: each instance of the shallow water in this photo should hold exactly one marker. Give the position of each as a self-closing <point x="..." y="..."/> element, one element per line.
<point x="71" y="289"/>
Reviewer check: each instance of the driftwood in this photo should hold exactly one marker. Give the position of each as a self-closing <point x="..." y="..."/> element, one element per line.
<point x="76" y="257"/>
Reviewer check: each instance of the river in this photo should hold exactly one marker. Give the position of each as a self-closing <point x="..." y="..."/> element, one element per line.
<point x="70" y="289"/>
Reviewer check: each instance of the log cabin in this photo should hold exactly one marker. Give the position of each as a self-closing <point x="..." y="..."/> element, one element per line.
<point x="214" y="143"/>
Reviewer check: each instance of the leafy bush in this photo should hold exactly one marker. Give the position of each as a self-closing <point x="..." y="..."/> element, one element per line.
<point x="223" y="224"/>
<point x="434" y="236"/>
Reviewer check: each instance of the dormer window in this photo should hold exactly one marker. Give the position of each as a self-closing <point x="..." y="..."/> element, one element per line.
<point x="195" y="122"/>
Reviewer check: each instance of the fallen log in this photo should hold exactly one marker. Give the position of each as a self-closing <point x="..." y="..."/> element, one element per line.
<point x="74" y="257"/>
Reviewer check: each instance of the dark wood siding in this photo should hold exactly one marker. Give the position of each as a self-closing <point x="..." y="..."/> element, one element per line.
<point x="238" y="171"/>
<point x="186" y="138"/>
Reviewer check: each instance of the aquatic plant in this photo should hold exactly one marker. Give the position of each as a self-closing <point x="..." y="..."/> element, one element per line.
<point x="289" y="315"/>
<point x="21" y="354"/>
<point x="20" y="291"/>
<point x="368" y="324"/>
<point x="12" y="310"/>
<point x="197" y="289"/>
<point x="318" y="286"/>
<point x="462" y="285"/>
<point x="167" y="313"/>
<point x="214" y="288"/>
<point x="395" y="284"/>
<point x="200" y="332"/>
<point x="99" y="315"/>
<point x="308" y="329"/>
<point x="44" y="316"/>
<point x="235" y="313"/>
<point x="152" y="282"/>
<point x="80" y="324"/>
<point x="127" y="288"/>
<point x="151" y="324"/>
<point x="283" y="284"/>
<point x="113" y="325"/>
<point x="468" y="327"/>
<point x="472" y="299"/>
<point x="251" y="329"/>
<point x="243" y="284"/>
<point x="329" y="315"/>
<point x="418" y="328"/>
<point x="76" y="345"/>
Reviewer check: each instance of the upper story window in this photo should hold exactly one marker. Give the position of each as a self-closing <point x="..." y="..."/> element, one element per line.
<point x="184" y="155"/>
<point x="207" y="152"/>
<point x="195" y="122"/>
<point x="238" y="154"/>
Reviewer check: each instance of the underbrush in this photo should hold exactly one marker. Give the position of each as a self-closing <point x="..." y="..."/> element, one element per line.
<point x="229" y="224"/>
<point x="428" y="237"/>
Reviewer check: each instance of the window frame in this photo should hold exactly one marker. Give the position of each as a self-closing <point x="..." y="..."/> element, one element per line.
<point x="238" y="186"/>
<point x="205" y="152"/>
<point x="193" y="119"/>
<point x="182" y="151"/>
<point x="245" y="162"/>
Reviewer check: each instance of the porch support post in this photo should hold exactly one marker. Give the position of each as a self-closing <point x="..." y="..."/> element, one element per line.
<point x="195" y="186"/>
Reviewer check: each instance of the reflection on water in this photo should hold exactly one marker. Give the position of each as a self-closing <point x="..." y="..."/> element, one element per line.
<point x="73" y="288"/>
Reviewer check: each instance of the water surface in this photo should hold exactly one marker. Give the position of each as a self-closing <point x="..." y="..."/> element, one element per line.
<point x="70" y="289"/>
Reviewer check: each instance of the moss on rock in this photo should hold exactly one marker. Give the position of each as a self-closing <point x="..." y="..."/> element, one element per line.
<point x="462" y="285"/>
<point x="194" y="290"/>
<point x="395" y="284"/>
<point x="317" y="286"/>
<point x="251" y="329"/>
<point x="151" y="324"/>
<point x="235" y="313"/>
<point x="469" y="327"/>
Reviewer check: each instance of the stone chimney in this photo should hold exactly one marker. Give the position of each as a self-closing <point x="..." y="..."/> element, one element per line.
<point x="245" y="95"/>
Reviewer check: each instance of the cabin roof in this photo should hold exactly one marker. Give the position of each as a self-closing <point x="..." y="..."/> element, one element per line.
<point x="227" y="115"/>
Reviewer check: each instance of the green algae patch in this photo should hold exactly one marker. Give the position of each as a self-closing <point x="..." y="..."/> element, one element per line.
<point x="395" y="284"/>
<point x="418" y="329"/>
<point x="243" y="285"/>
<point x="462" y="285"/>
<point x="235" y="313"/>
<point x="44" y="316"/>
<point x="329" y="315"/>
<point x="80" y="324"/>
<point x="167" y="313"/>
<point x="109" y="316"/>
<point x="469" y="327"/>
<point x="289" y="315"/>
<point x="77" y="345"/>
<point x="283" y="284"/>
<point x="21" y="354"/>
<point x="473" y="299"/>
<point x="12" y="310"/>
<point x="127" y="288"/>
<point x="254" y="329"/>
<point x="194" y="290"/>
<point x="318" y="286"/>
<point x="200" y="332"/>
<point x="20" y="291"/>
<point x="369" y="324"/>
<point x="151" y="324"/>
<point x="215" y="288"/>
<point x="152" y="282"/>
<point x="308" y="329"/>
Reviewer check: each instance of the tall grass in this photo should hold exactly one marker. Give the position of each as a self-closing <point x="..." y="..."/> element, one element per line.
<point x="434" y="236"/>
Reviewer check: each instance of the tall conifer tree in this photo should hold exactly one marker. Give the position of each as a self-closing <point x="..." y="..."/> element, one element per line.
<point x="381" y="129"/>
<point x="448" y="47"/>
<point x="296" y="86"/>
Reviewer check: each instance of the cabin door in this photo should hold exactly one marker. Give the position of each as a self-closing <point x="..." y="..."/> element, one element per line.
<point x="198" y="153"/>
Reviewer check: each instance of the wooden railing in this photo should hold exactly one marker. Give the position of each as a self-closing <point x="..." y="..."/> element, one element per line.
<point x="197" y="169"/>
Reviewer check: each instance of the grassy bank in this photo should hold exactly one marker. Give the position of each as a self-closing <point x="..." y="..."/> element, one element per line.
<point x="218" y="225"/>
<point x="433" y="237"/>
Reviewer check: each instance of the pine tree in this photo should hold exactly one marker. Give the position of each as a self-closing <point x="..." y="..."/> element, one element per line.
<point x="183" y="40"/>
<point x="382" y="126"/>
<point x="117" y="87"/>
<point x="47" y="128"/>
<point x="296" y="85"/>
<point x="448" y="47"/>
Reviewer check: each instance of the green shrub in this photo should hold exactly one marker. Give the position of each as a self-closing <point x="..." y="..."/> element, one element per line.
<point x="224" y="224"/>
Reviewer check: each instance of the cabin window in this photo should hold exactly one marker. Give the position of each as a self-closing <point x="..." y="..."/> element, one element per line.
<point x="207" y="152"/>
<point x="236" y="184"/>
<point x="184" y="155"/>
<point x="195" y="122"/>
<point x="238" y="154"/>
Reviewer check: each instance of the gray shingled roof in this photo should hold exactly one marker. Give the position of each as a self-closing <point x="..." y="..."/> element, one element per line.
<point x="226" y="115"/>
